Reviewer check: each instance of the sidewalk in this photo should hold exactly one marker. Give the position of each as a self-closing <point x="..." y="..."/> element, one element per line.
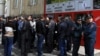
<point x="16" y="52"/>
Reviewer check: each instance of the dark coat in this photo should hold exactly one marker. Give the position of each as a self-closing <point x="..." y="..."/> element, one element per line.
<point x="77" y="30"/>
<point x="26" y="30"/>
<point x="40" y="27"/>
<point x="62" y="29"/>
<point x="90" y="30"/>
<point x="51" y="28"/>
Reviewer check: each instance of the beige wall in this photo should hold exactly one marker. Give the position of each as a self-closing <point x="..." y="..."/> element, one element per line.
<point x="38" y="8"/>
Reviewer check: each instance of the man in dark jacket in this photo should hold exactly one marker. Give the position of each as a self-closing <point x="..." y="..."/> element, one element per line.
<point x="25" y="38"/>
<point x="62" y="30"/>
<point x="40" y="29"/>
<point x="77" y="34"/>
<point x="89" y="36"/>
<point x="51" y="28"/>
<point x="69" y="31"/>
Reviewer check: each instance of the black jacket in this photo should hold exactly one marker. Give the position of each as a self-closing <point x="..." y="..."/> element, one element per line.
<point x="62" y="29"/>
<point x="78" y="30"/>
<point x="40" y="27"/>
<point x="26" y="30"/>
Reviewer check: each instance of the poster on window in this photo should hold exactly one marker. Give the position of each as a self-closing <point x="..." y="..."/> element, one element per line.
<point x="96" y="4"/>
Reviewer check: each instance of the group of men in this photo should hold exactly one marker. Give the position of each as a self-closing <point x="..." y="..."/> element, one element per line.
<point x="60" y="35"/>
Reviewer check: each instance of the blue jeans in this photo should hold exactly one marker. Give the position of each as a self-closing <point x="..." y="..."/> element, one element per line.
<point x="40" y="44"/>
<point x="89" y="46"/>
<point x="62" y="46"/>
<point x="8" y="46"/>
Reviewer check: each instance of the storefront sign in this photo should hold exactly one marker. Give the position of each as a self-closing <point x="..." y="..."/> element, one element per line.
<point x="58" y="8"/>
<point x="70" y="6"/>
<point x="49" y="8"/>
<point x="83" y="5"/>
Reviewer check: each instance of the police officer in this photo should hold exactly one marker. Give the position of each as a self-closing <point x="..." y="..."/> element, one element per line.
<point x="89" y="36"/>
<point x="77" y="36"/>
<point x="62" y="29"/>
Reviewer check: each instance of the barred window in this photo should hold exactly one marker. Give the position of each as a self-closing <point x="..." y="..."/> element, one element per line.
<point x="15" y="3"/>
<point x="32" y="2"/>
<point x="96" y="4"/>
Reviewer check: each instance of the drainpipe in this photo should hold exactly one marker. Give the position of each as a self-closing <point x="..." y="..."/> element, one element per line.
<point x="2" y="7"/>
<point x="21" y="4"/>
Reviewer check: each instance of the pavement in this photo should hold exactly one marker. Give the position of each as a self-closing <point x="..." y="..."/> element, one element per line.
<point x="16" y="52"/>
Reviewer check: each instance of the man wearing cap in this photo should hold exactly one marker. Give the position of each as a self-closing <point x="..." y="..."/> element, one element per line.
<point x="77" y="36"/>
<point x="89" y="30"/>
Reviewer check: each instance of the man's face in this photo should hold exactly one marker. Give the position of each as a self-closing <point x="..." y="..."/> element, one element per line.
<point x="22" y="18"/>
<point x="89" y="20"/>
<point x="0" y="18"/>
<point x="29" y="18"/>
<point x="42" y="19"/>
<point x="79" y="21"/>
<point x="47" y="19"/>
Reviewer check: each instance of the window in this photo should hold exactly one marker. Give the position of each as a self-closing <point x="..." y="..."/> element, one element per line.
<point x="56" y="1"/>
<point x="32" y="2"/>
<point x="96" y="4"/>
<point x="15" y="3"/>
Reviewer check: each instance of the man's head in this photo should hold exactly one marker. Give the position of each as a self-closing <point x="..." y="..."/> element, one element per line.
<point x="0" y="18"/>
<point x="9" y="18"/>
<point x="30" y="17"/>
<point x="89" y="19"/>
<point x="79" y="20"/>
<point x="61" y="19"/>
<point x="22" y="18"/>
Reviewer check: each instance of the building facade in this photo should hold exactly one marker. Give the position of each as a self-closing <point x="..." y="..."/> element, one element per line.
<point x="19" y="7"/>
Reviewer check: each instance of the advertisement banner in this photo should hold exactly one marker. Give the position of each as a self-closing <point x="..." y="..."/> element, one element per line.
<point x="83" y="5"/>
<point x="69" y="6"/>
<point x="59" y="6"/>
<point x="49" y="8"/>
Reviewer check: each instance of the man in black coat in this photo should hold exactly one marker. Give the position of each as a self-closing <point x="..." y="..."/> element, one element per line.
<point x="40" y="30"/>
<point x="77" y="35"/>
<point x="25" y="38"/>
<point x="50" y="36"/>
<point x="62" y="31"/>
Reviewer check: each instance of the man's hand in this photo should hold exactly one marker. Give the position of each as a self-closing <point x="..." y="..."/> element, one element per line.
<point x="0" y="29"/>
